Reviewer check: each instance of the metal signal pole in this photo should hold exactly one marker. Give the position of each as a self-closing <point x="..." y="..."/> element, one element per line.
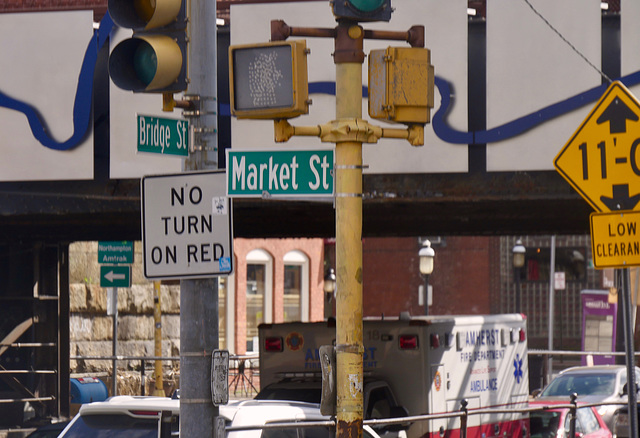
<point x="349" y="57"/>
<point x="199" y="298"/>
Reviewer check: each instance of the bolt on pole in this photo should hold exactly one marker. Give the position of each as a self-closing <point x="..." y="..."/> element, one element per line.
<point x="349" y="57"/>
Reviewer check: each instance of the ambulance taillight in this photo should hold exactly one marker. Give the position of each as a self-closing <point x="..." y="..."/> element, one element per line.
<point x="523" y="336"/>
<point x="273" y="344"/>
<point x="408" y="342"/>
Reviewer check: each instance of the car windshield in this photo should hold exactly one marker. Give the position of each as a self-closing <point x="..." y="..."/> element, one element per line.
<point x="544" y="424"/>
<point x="303" y="432"/>
<point x="112" y="426"/>
<point x="581" y="384"/>
<point x="309" y="395"/>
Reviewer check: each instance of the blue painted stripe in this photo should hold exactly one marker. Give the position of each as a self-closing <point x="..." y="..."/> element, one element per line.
<point x="82" y="104"/>
<point x="441" y="127"/>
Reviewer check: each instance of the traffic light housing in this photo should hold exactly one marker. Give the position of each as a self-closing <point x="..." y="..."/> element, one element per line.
<point x="362" y="10"/>
<point x="154" y="60"/>
<point x="401" y="85"/>
<point x="269" y="80"/>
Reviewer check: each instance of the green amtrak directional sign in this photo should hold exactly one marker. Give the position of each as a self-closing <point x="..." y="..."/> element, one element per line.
<point x="283" y="173"/>
<point x="115" y="252"/>
<point x="115" y="276"/>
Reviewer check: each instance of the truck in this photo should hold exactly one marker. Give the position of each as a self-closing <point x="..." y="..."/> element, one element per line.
<point x="414" y="366"/>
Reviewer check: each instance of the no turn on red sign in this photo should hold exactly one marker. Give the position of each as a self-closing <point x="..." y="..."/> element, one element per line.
<point x="186" y="225"/>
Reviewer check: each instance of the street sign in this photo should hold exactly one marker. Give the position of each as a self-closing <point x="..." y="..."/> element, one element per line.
<point x="115" y="276"/>
<point x="186" y="226"/>
<point x="615" y="239"/>
<point x="118" y="252"/>
<point x="280" y="173"/>
<point x="601" y="161"/>
<point x="161" y="135"/>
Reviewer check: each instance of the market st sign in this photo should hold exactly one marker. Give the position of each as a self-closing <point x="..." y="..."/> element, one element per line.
<point x="259" y="173"/>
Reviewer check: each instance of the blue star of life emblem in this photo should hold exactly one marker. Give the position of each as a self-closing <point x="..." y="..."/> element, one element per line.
<point x="517" y="364"/>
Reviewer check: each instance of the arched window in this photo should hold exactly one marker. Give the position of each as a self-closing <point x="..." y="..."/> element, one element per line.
<point x="296" y="287"/>
<point x="259" y="294"/>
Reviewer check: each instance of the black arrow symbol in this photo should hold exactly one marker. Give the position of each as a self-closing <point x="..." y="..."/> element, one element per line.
<point x="621" y="199"/>
<point x="617" y="114"/>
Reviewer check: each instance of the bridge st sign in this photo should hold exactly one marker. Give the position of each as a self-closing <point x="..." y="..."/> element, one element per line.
<point x="602" y="160"/>
<point x="281" y="173"/>
<point x="162" y="135"/>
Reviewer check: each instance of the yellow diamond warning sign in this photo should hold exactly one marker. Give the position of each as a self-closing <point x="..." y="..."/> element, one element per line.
<point x="602" y="159"/>
<point x="615" y="239"/>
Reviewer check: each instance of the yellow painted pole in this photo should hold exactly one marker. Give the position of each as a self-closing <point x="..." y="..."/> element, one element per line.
<point x="348" y="171"/>
<point x="157" y="320"/>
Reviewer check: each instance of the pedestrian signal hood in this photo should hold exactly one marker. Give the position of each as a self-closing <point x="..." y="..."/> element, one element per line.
<point x="269" y="80"/>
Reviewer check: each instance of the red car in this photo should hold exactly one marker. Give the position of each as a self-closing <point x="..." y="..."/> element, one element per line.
<point x="554" y="422"/>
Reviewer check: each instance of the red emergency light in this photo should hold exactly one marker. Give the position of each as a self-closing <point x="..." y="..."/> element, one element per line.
<point x="408" y="342"/>
<point x="273" y="344"/>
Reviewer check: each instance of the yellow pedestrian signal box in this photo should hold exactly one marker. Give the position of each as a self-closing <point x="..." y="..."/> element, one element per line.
<point x="269" y="80"/>
<point x="154" y="60"/>
<point x="401" y="85"/>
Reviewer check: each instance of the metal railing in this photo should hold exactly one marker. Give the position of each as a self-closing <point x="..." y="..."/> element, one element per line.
<point x="242" y="377"/>
<point x="463" y="414"/>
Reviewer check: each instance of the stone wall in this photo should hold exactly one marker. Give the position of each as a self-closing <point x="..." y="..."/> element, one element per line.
<point x="91" y="329"/>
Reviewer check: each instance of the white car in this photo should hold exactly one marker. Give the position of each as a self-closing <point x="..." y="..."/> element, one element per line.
<point x="126" y="417"/>
<point x="246" y="419"/>
<point x="153" y="417"/>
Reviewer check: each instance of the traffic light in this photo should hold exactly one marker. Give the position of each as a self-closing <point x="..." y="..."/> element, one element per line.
<point x="154" y="59"/>
<point x="269" y="80"/>
<point x="362" y="10"/>
<point x="401" y="85"/>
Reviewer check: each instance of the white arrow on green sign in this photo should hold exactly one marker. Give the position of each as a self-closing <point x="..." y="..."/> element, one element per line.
<point x="280" y="173"/>
<point x="115" y="276"/>
<point x="161" y="135"/>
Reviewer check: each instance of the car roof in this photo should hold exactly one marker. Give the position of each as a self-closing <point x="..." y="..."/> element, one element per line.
<point x="125" y="403"/>
<point x="552" y="402"/>
<point x="258" y="412"/>
<point x="603" y="369"/>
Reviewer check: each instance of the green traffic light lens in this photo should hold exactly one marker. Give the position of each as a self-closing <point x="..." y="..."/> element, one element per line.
<point x="145" y="63"/>
<point x="366" y="5"/>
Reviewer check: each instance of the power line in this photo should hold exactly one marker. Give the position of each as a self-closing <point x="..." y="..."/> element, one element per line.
<point x="603" y="74"/>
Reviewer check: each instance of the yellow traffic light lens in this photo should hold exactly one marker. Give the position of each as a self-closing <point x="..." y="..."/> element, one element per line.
<point x="145" y="63"/>
<point x="366" y="5"/>
<point x="145" y="9"/>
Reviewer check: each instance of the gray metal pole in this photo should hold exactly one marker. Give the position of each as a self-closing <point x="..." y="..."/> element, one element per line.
<point x="628" y="341"/>
<point x="426" y="295"/>
<point x="114" y="346"/>
<point x="199" y="298"/>
<point x="552" y="273"/>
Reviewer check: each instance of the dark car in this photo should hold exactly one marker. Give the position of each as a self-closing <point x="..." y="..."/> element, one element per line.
<point x="48" y="430"/>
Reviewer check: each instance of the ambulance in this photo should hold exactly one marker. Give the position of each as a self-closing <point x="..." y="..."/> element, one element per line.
<point x="414" y="366"/>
